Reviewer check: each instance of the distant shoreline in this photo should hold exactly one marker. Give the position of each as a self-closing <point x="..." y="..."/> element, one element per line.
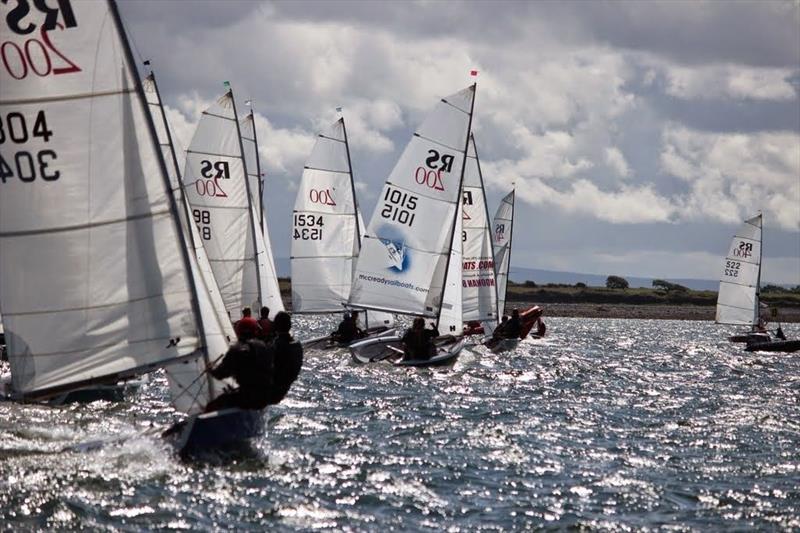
<point x="644" y="311"/>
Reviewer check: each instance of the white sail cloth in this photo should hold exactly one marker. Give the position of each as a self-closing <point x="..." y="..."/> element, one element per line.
<point x="95" y="280"/>
<point x="325" y="240"/>
<point x="191" y="386"/>
<point x="503" y="225"/>
<point x="737" y="301"/>
<point x="216" y="185"/>
<point x="271" y="293"/>
<point x="405" y="252"/>
<point x="479" y="282"/>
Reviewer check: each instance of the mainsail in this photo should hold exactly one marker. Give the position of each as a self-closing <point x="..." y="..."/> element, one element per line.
<point x="271" y="293"/>
<point x="325" y="229"/>
<point x="479" y="283"/>
<point x="405" y="254"/>
<point x="192" y="388"/>
<point x="218" y="189"/>
<point x="503" y="228"/>
<point x="96" y="282"/>
<point x="737" y="302"/>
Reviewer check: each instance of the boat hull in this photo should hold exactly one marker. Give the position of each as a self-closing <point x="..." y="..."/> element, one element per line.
<point x="528" y="318"/>
<point x="774" y="346"/>
<point x="327" y="343"/>
<point x="390" y="348"/>
<point x="750" y="337"/>
<point x="499" y="345"/>
<point x="216" y="431"/>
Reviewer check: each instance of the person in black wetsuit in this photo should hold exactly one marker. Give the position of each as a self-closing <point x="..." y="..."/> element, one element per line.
<point x="509" y="328"/>
<point x="418" y="341"/>
<point x="249" y="363"/>
<point x="347" y="331"/>
<point x="287" y="357"/>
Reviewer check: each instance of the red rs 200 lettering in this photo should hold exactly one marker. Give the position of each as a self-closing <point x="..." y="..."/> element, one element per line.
<point x="34" y="56"/>
<point x="323" y="196"/>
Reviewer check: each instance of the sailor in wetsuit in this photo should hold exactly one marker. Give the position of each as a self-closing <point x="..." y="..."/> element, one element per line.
<point x="264" y="373"/>
<point x="418" y="341"/>
<point x="509" y="329"/>
<point x="249" y="363"/>
<point x="266" y="325"/>
<point x="347" y="331"/>
<point x="247" y="327"/>
<point x="287" y="357"/>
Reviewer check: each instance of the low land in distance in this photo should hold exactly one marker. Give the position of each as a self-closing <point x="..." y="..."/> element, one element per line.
<point x="601" y="302"/>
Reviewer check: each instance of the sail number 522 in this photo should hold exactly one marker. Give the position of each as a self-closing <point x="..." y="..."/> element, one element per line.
<point x="732" y="268"/>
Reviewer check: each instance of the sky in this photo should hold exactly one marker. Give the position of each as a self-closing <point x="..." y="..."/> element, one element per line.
<point x="638" y="135"/>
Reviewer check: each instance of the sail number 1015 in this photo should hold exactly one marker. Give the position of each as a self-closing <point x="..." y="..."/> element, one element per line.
<point x="399" y="206"/>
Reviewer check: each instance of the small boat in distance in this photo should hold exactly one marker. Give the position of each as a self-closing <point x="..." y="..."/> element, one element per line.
<point x="738" y="300"/>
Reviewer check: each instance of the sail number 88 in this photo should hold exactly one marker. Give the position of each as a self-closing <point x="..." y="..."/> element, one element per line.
<point x="399" y="206"/>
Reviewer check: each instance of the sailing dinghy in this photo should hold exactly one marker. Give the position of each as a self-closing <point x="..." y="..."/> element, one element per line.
<point x="109" y="275"/>
<point x="738" y="300"/>
<point x="326" y="236"/>
<point x="502" y="238"/>
<point x="410" y="262"/>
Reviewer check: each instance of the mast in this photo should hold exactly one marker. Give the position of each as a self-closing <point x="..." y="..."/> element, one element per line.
<point x="488" y="222"/>
<point x="458" y="202"/>
<point x="757" y="318"/>
<point x="173" y="207"/>
<point x="355" y="202"/>
<point x="510" y="240"/>
<point x="249" y="193"/>
<point x="352" y="183"/>
<point x="258" y="174"/>
<point x="187" y="213"/>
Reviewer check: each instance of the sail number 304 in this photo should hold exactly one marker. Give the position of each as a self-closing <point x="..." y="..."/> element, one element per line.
<point x="23" y="164"/>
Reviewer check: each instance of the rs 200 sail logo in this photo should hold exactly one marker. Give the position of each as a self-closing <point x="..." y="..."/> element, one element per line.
<point x="32" y="54"/>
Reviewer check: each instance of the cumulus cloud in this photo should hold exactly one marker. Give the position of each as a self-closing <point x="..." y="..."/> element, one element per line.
<point x="734" y="175"/>
<point x="729" y="81"/>
<point x="616" y="161"/>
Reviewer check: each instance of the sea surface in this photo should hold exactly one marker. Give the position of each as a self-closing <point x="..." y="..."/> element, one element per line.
<point x="604" y="424"/>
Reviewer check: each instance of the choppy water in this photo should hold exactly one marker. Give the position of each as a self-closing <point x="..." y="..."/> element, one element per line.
<point x="606" y="424"/>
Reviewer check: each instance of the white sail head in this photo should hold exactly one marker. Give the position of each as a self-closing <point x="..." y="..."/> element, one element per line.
<point x="270" y="290"/>
<point x="405" y="252"/>
<point x="479" y="282"/>
<point x="104" y="275"/>
<point x="503" y="225"/>
<point x="324" y="232"/>
<point x="737" y="301"/>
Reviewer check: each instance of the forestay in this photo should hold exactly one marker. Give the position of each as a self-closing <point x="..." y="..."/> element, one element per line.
<point x="479" y="284"/>
<point x="503" y="227"/>
<point x="325" y="239"/>
<point x="216" y="186"/>
<point x="271" y="293"/>
<point x="737" y="301"/>
<point x="406" y="249"/>
<point x="190" y="386"/>
<point x="95" y="282"/>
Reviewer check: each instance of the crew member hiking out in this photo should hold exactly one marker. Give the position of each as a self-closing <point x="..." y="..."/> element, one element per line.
<point x="249" y="363"/>
<point x="418" y="341"/>
<point x="247" y="327"/>
<point x="287" y="357"/>
<point x="511" y="328"/>
<point x="347" y="331"/>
